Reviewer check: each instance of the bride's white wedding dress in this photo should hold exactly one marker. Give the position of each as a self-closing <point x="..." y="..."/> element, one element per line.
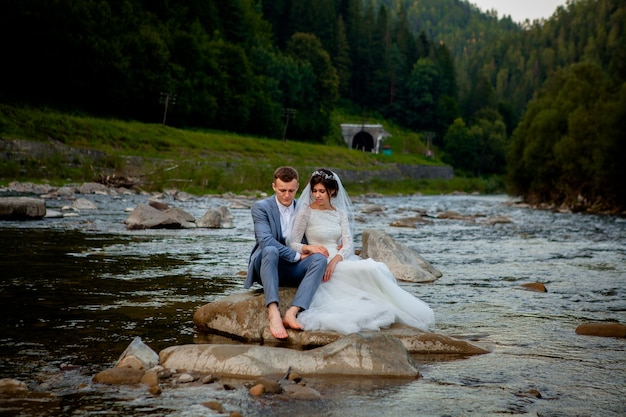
<point x="362" y="294"/>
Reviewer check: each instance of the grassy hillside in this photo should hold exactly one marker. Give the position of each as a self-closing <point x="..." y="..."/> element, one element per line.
<point x="200" y="162"/>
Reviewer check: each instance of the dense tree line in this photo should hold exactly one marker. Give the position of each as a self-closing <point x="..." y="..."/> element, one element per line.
<point x="554" y="87"/>
<point x="232" y="65"/>
<point x="568" y="146"/>
<point x="117" y="58"/>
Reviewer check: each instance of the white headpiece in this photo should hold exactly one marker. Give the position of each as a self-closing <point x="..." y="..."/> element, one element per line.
<point x="323" y="174"/>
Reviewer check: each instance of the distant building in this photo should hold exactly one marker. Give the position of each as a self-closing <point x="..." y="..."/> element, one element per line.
<point x="367" y="138"/>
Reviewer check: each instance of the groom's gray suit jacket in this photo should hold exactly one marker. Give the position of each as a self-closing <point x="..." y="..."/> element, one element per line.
<point x="267" y="232"/>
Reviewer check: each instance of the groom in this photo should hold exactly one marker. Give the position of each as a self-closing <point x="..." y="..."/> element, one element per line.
<point x="274" y="264"/>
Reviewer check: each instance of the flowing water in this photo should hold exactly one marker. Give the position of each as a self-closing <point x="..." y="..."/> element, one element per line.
<point x="76" y="291"/>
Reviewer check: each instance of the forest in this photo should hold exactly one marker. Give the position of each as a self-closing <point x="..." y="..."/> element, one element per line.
<point x="542" y="103"/>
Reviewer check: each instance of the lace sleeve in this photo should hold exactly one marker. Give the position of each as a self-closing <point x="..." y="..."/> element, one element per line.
<point x="300" y="223"/>
<point x="347" y="249"/>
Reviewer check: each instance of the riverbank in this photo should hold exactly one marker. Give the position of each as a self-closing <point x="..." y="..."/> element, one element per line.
<point x="48" y="147"/>
<point x="56" y="163"/>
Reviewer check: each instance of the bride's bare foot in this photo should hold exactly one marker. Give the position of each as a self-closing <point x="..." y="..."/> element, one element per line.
<point x="290" y="320"/>
<point x="277" y="329"/>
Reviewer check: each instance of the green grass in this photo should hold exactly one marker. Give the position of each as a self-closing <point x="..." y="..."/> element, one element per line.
<point x="199" y="162"/>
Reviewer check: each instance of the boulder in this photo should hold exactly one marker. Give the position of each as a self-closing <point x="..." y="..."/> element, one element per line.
<point x="53" y="214"/>
<point x="239" y="203"/>
<point x="84" y="204"/>
<point x="372" y="208"/>
<point x="497" y="220"/>
<point x="22" y="208"/>
<point x="29" y="187"/>
<point x="183" y="196"/>
<point x="92" y="188"/>
<point x="220" y="218"/>
<point x="214" y="405"/>
<point x="300" y="392"/>
<point x="403" y="223"/>
<point x="419" y="342"/>
<point x="603" y="329"/>
<point x="405" y="263"/>
<point x="240" y="315"/>
<point x="453" y="215"/>
<point x="186" y="220"/>
<point x="270" y="386"/>
<point x="158" y="205"/>
<point x="409" y="222"/>
<point x="118" y="376"/>
<point x="534" y="286"/>
<point x="243" y="316"/>
<point x="150" y="378"/>
<point x="12" y="386"/>
<point x="137" y="364"/>
<point x="66" y="192"/>
<point x="145" y="216"/>
<point x="257" y="390"/>
<point x="374" y="355"/>
<point x="138" y="355"/>
<point x="17" y="400"/>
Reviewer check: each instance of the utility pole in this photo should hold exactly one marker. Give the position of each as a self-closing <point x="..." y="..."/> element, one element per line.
<point x="167" y="98"/>
<point x="287" y="114"/>
<point x="429" y="144"/>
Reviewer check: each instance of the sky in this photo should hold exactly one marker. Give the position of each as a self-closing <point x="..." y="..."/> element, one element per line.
<point x="520" y="10"/>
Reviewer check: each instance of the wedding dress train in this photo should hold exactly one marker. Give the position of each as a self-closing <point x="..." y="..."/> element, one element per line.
<point x="362" y="294"/>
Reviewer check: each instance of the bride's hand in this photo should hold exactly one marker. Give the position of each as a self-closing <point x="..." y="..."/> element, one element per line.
<point x="330" y="268"/>
<point x="315" y="249"/>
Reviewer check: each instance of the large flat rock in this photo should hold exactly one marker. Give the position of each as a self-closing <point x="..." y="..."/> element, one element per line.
<point x="22" y="208"/>
<point x="243" y="317"/>
<point x="373" y="355"/>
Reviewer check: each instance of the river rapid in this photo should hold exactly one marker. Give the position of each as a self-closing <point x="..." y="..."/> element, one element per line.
<point x="76" y="291"/>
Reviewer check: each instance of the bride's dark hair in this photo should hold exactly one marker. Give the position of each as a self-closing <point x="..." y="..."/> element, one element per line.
<point x="327" y="179"/>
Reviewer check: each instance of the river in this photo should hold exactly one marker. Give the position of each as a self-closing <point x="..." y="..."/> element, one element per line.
<point x="76" y="291"/>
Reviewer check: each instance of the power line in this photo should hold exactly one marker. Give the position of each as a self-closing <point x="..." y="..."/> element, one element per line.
<point x="288" y="113"/>
<point x="167" y="99"/>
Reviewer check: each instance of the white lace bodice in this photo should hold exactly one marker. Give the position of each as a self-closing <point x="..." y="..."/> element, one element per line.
<point x="323" y="227"/>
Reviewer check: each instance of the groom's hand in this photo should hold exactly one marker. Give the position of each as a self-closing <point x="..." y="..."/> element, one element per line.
<point x="310" y="249"/>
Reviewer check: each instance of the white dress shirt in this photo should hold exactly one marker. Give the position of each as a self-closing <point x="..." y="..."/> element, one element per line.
<point x="286" y="221"/>
<point x="286" y="217"/>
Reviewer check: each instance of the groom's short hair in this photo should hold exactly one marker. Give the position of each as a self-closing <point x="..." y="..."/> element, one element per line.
<point x="285" y="174"/>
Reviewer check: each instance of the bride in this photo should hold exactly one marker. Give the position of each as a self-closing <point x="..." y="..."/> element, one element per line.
<point x="356" y="294"/>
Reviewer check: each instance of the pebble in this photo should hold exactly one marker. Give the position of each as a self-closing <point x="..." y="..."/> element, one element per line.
<point x="185" y="378"/>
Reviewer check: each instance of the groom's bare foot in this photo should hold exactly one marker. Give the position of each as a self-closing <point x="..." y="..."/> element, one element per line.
<point x="277" y="329"/>
<point x="290" y="320"/>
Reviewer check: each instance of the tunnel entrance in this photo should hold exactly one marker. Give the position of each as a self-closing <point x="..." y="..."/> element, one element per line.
<point x="363" y="141"/>
<point x="364" y="137"/>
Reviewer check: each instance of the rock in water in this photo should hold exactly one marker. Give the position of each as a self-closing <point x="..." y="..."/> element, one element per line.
<point x="356" y="354"/>
<point x="21" y="208"/>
